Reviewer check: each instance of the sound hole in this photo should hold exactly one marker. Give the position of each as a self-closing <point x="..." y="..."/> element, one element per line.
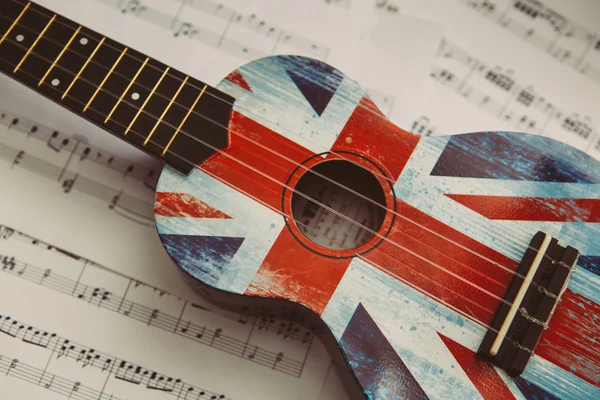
<point x="348" y="189"/>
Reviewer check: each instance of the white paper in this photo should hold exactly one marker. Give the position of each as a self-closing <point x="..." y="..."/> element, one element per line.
<point x="214" y="38"/>
<point x="551" y="62"/>
<point x="97" y="205"/>
<point x="84" y="263"/>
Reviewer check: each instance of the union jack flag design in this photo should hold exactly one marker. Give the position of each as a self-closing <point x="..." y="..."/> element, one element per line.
<point x="408" y="313"/>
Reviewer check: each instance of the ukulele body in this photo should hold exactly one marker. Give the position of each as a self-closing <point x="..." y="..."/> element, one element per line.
<point x="450" y="218"/>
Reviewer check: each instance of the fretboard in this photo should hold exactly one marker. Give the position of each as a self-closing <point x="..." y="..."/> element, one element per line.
<point x="158" y="109"/>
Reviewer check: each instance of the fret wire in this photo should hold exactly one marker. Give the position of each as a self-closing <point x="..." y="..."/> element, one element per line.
<point x="105" y="78"/>
<point x="82" y="68"/>
<point x="34" y="43"/>
<point x="127" y="89"/>
<point x="151" y="66"/>
<point x="14" y="23"/>
<point x="184" y="120"/>
<point x="166" y="110"/>
<point x="59" y="56"/>
<point x="147" y="100"/>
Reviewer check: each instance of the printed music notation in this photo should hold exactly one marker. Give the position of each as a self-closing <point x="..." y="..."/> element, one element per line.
<point x="342" y="3"/>
<point x="77" y="166"/>
<point x="423" y="126"/>
<point x="12" y="367"/>
<point x="157" y="308"/>
<point x="85" y="356"/>
<point x="498" y="91"/>
<point x="550" y="31"/>
<point x="387" y="5"/>
<point x="212" y="23"/>
<point x="61" y="142"/>
<point x="566" y="41"/>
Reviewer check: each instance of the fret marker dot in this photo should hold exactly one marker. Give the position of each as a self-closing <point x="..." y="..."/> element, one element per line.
<point x="135" y="96"/>
<point x="83" y="41"/>
<point x="20" y="38"/>
<point x="55" y="82"/>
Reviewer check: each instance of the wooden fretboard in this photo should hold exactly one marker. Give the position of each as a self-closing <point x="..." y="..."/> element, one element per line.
<point x="141" y="100"/>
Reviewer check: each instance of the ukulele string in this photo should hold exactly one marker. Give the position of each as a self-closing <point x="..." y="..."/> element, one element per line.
<point x="360" y="226"/>
<point x="509" y="239"/>
<point x="375" y="234"/>
<point x="511" y="271"/>
<point x="322" y="205"/>
<point x="375" y="265"/>
<point x="427" y="261"/>
<point x="384" y="177"/>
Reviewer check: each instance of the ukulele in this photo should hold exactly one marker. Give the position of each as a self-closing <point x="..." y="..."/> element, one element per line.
<point x="462" y="266"/>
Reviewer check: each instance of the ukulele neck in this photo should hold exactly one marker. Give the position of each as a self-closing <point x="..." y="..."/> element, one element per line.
<point x="150" y="105"/>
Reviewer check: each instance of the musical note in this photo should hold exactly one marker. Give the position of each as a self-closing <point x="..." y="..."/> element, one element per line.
<point x="75" y="388"/>
<point x="48" y="385"/>
<point x="162" y="383"/>
<point x="421" y="126"/>
<point x="5" y="232"/>
<point x="521" y="106"/>
<point x="185" y="29"/>
<point x="129" y="373"/>
<point x="278" y="359"/>
<point x="125" y="204"/>
<point x="133" y="6"/>
<point x="525" y="97"/>
<point x="252" y="354"/>
<point x="68" y="183"/>
<point x="65" y="348"/>
<point x="216" y="335"/>
<point x="51" y="382"/>
<point x="502" y="80"/>
<point x="13" y="365"/>
<point x="220" y="39"/>
<point x="387" y="5"/>
<point x="547" y="30"/>
<point x="152" y="316"/>
<point x="8" y="262"/>
<point x="125" y="371"/>
<point x="574" y="124"/>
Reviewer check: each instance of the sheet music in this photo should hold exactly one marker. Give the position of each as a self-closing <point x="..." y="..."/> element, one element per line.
<point x="209" y="39"/>
<point x="92" y="307"/>
<point x="516" y="65"/>
<point x="91" y="304"/>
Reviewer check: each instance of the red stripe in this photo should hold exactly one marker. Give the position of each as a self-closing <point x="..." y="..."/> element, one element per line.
<point x="432" y="271"/>
<point x="288" y="271"/>
<point x="237" y="78"/>
<point x="448" y="265"/>
<point x="371" y="135"/>
<point x="572" y="338"/>
<point x="482" y="374"/>
<point x="571" y="341"/>
<point x="531" y="208"/>
<point x="255" y="166"/>
<point x="184" y="205"/>
<point x="292" y="272"/>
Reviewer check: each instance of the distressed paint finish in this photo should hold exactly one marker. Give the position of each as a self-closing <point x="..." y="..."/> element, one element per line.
<point x="407" y="313"/>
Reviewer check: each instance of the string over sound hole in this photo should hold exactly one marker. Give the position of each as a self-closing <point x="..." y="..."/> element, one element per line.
<point x="338" y="205"/>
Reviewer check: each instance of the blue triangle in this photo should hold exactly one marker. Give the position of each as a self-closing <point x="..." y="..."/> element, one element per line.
<point x="378" y="367"/>
<point x="532" y="391"/>
<point x="204" y="257"/>
<point x="591" y="263"/>
<point x="317" y="81"/>
<point x="515" y="156"/>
